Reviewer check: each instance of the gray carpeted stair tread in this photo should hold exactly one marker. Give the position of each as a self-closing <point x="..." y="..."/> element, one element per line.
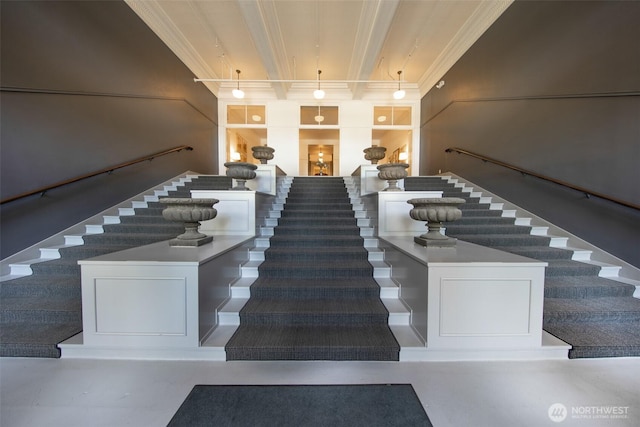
<point x="585" y="287"/>
<point x="481" y="213"/>
<point x="145" y="228"/>
<point x="314" y="230"/>
<point x="541" y="253"/>
<point x="599" y="339"/>
<point x="479" y="221"/>
<point x="333" y="213"/>
<point x="142" y="219"/>
<point x="315" y="241"/>
<point x="133" y="239"/>
<point x="316" y="270"/>
<point x="603" y="309"/>
<point x="487" y="229"/>
<point x="316" y="254"/>
<point x="62" y="266"/>
<point x="51" y="310"/>
<point x="90" y="250"/>
<point x="265" y="287"/>
<point x="570" y="268"/>
<point x="31" y="339"/>
<point x="494" y="240"/>
<point x="36" y="285"/>
<point x="293" y="221"/>
<point x="313" y="206"/>
<point x="366" y="342"/>
<point x="316" y="311"/>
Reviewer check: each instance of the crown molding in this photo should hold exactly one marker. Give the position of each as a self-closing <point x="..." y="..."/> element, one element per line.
<point x="480" y="20"/>
<point x="152" y="13"/>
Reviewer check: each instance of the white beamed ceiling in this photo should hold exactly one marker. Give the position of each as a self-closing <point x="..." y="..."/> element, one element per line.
<point x="348" y="40"/>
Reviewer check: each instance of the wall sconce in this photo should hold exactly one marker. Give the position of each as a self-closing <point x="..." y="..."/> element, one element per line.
<point x="318" y="93"/>
<point x="403" y="156"/>
<point x="399" y="94"/>
<point x="235" y="156"/>
<point x="237" y="92"/>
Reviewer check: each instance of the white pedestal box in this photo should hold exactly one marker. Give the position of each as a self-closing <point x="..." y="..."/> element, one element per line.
<point x="156" y="301"/>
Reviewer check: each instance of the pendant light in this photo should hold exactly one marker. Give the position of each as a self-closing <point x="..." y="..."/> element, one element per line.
<point x="319" y="118"/>
<point x="318" y="93"/>
<point x="399" y="94"/>
<point x="237" y="92"/>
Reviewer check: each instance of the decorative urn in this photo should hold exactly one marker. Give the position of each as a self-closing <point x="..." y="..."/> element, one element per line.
<point x="392" y="172"/>
<point x="436" y="211"/>
<point x="262" y="153"/>
<point x="190" y="212"/>
<point x="241" y="172"/>
<point x="374" y="153"/>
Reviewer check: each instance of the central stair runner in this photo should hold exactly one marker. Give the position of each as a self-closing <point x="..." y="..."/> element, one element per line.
<point x="315" y="297"/>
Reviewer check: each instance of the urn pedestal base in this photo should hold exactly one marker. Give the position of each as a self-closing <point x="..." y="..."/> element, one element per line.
<point x="191" y="243"/>
<point x="446" y="242"/>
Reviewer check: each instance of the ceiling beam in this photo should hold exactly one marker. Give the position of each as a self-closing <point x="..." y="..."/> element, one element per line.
<point x="263" y="25"/>
<point x="373" y="26"/>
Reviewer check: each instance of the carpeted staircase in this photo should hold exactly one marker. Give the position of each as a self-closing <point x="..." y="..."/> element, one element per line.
<point x="43" y="309"/>
<point x="599" y="317"/>
<point x="315" y="297"/>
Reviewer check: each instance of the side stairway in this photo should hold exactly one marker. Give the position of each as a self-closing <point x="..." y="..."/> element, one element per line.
<point x="586" y="304"/>
<point x="313" y="295"/>
<point x="41" y="298"/>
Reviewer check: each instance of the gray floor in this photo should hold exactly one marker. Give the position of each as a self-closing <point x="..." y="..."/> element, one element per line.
<point x="50" y="392"/>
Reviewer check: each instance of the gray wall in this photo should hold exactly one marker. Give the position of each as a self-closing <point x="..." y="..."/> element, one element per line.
<point x="87" y="85"/>
<point x="551" y="87"/>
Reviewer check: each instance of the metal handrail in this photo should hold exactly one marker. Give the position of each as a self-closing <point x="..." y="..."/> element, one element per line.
<point x="42" y="191"/>
<point x="586" y="191"/>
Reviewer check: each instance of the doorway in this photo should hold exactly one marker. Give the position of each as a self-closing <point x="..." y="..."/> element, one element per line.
<point x="319" y="150"/>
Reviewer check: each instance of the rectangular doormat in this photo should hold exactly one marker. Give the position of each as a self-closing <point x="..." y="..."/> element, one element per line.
<point x="367" y="405"/>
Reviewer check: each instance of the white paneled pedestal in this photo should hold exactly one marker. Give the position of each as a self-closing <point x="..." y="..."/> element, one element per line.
<point x="393" y="212"/>
<point x="265" y="180"/>
<point x="236" y="212"/>
<point x="470" y="302"/>
<point x="156" y="301"/>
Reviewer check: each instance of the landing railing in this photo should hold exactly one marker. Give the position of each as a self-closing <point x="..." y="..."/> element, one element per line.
<point x="588" y="193"/>
<point x="42" y="191"/>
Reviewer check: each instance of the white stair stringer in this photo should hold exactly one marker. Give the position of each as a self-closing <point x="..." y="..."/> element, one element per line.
<point x="399" y="314"/>
<point x="19" y="264"/>
<point x="611" y="267"/>
<point x="240" y="289"/>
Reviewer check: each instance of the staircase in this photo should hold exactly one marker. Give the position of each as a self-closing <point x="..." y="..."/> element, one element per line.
<point x="315" y="297"/>
<point x="584" y="305"/>
<point x="41" y="298"/>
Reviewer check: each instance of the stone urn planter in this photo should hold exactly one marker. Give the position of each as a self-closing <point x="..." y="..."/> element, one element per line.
<point x="262" y="153"/>
<point x="190" y="212"/>
<point x="392" y="172"/>
<point x="241" y="172"/>
<point x="374" y="153"/>
<point x="435" y="212"/>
